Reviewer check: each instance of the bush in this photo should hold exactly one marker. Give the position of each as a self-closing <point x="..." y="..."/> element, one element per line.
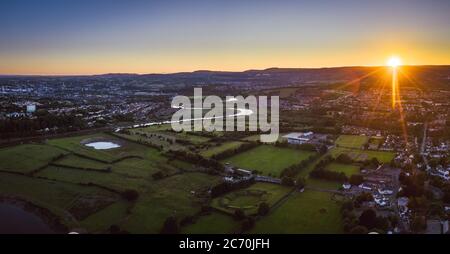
<point x="239" y="214"/>
<point x="263" y="209"/>
<point x="287" y="181"/>
<point x="368" y="219"/>
<point x="130" y="195"/>
<point x="359" y="230"/>
<point x="170" y="226"/>
<point x="248" y="224"/>
<point x="356" y="180"/>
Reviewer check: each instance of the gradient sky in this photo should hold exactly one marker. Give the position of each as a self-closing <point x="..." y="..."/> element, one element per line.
<point x="103" y="36"/>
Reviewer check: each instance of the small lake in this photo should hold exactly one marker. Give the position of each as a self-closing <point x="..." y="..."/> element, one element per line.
<point x="15" y="220"/>
<point x="102" y="145"/>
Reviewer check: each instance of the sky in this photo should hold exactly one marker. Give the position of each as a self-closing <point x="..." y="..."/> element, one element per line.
<point x="62" y="37"/>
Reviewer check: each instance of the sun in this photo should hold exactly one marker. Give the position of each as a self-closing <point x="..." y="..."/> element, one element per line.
<point x="394" y="62"/>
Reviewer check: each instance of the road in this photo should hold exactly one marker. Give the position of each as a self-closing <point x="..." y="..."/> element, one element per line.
<point x="424" y="142"/>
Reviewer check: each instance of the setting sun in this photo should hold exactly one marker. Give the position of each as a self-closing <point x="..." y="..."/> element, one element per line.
<point x="394" y="62"/>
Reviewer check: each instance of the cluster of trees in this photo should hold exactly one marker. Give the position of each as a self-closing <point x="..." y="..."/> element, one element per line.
<point x="170" y="226"/>
<point x="232" y="152"/>
<point x="24" y="126"/>
<point x="306" y="147"/>
<point x="291" y="182"/>
<point x="444" y="186"/>
<point x="412" y="185"/>
<point x="130" y="195"/>
<point x="367" y="222"/>
<point x="320" y="171"/>
<point x="329" y="175"/>
<point x="361" y="198"/>
<point x="247" y="222"/>
<point x="226" y="187"/>
<point x="295" y="169"/>
<point x="194" y="159"/>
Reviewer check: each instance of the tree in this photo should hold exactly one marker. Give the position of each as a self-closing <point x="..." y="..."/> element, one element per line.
<point x="130" y="195"/>
<point x="239" y="214"/>
<point x="248" y="223"/>
<point x="418" y="224"/>
<point x="300" y="183"/>
<point x="287" y="181"/>
<point x="359" y="230"/>
<point x="368" y="219"/>
<point x="356" y="179"/>
<point x="170" y="226"/>
<point x="344" y="158"/>
<point x="263" y="209"/>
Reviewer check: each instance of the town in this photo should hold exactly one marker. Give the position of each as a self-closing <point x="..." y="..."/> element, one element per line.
<point x="346" y="161"/>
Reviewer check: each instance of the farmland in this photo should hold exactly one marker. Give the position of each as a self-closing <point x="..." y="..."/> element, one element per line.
<point x="84" y="187"/>
<point x="211" y="151"/>
<point x="268" y="160"/>
<point x="347" y="169"/>
<point x="351" y="141"/>
<point x="249" y="199"/>
<point x="361" y="155"/>
<point x="309" y="212"/>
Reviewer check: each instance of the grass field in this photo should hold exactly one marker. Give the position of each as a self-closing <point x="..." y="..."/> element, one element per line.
<point x="109" y="180"/>
<point x="249" y="199"/>
<point x="351" y="141"/>
<point x="76" y="161"/>
<point x="56" y="196"/>
<point x="214" y="223"/>
<point x="26" y="158"/>
<point x="174" y="196"/>
<point x="361" y="155"/>
<point x="211" y="151"/>
<point x="347" y="169"/>
<point x="268" y="160"/>
<point x="310" y="212"/>
<point x="74" y="144"/>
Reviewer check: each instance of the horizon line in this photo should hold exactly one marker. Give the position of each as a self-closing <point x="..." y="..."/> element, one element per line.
<point x="209" y="70"/>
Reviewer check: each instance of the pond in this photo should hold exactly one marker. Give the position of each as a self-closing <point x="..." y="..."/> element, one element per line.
<point x="15" y="220"/>
<point x="102" y="145"/>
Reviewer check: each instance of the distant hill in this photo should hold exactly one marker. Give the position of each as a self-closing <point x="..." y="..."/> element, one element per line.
<point x="439" y="74"/>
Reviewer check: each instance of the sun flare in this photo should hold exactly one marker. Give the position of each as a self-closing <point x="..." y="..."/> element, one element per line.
<point x="394" y="62"/>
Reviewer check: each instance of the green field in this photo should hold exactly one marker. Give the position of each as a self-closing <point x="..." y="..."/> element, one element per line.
<point x="176" y="195"/>
<point x="214" y="223"/>
<point x="58" y="197"/>
<point x="310" y="212"/>
<point x="72" y="160"/>
<point x="268" y="160"/>
<point x="75" y="145"/>
<point x="347" y="169"/>
<point x="249" y="199"/>
<point x="109" y="180"/>
<point x="361" y="155"/>
<point x="26" y="158"/>
<point x="213" y="150"/>
<point x="351" y="141"/>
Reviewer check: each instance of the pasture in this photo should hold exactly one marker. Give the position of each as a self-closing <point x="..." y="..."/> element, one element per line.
<point x="351" y="141"/>
<point x="310" y="212"/>
<point x="249" y="199"/>
<point x="219" y="148"/>
<point x="27" y="158"/>
<point x="268" y="160"/>
<point x="213" y="223"/>
<point x="347" y="169"/>
<point x="361" y="155"/>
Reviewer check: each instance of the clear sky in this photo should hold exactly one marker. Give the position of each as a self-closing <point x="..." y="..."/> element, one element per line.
<point x="104" y="36"/>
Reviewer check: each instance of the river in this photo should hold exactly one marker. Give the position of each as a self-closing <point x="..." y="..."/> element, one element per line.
<point x="16" y="220"/>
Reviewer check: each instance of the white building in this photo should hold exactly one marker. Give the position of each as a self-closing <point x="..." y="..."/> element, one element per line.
<point x="299" y="137"/>
<point x="31" y="108"/>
